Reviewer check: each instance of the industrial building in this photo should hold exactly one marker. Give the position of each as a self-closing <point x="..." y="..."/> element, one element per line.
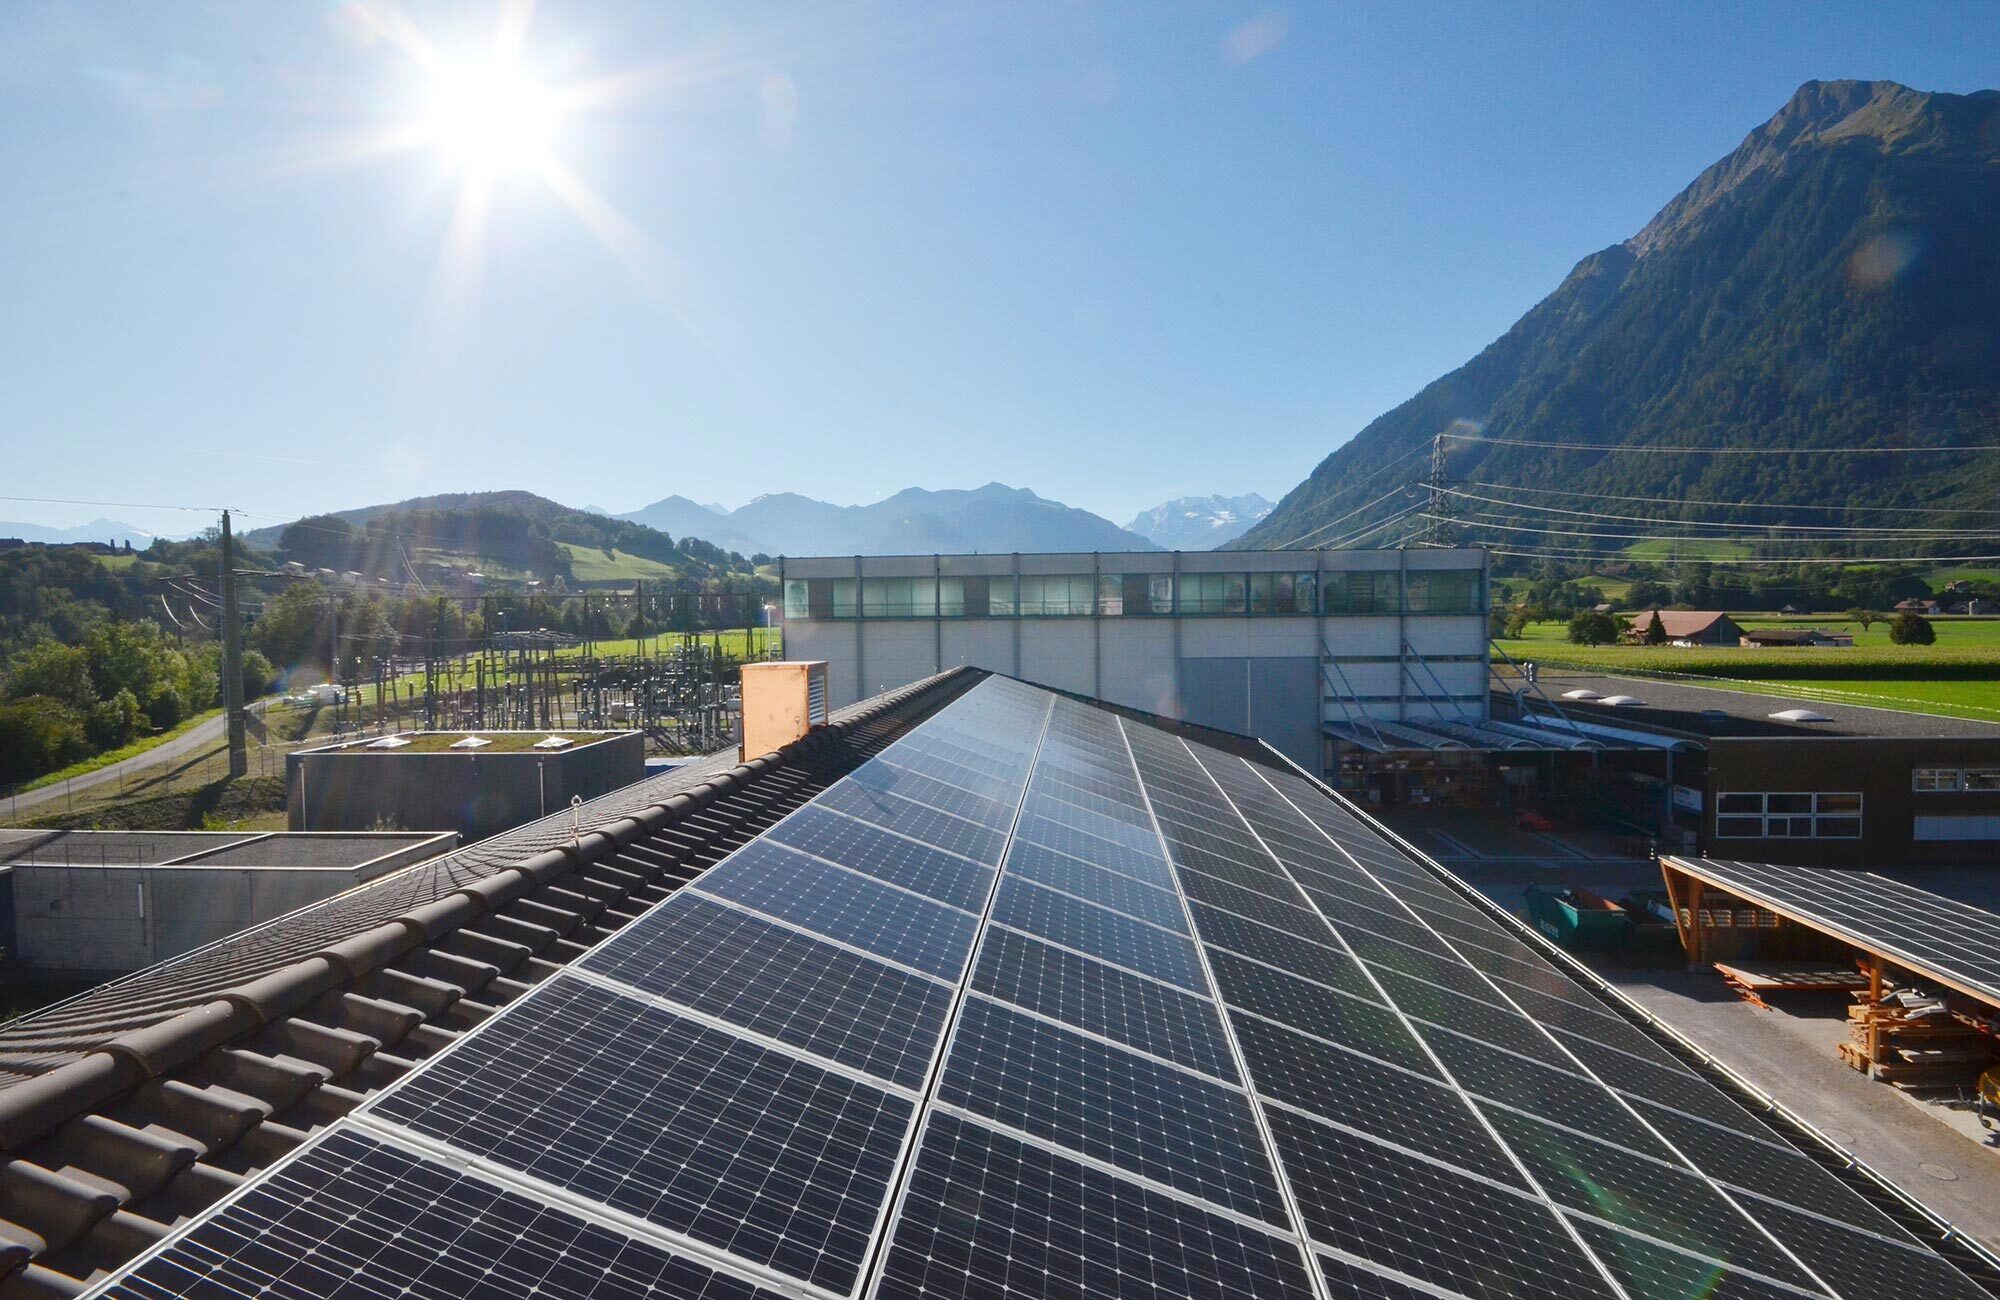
<point x="1734" y="774"/>
<point x="976" y="991"/>
<point x="1316" y="652"/>
<point x="99" y="904"/>
<point x="476" y="784"/>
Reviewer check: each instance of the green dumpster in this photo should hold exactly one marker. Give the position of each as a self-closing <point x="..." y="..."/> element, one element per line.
<point x="1577" y="918"/>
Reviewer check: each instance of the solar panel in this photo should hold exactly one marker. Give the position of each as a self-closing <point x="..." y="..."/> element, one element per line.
<point x="1097" y="932"/>
<point x="729" y="964"/>
<point x="693" y="1129"/>
<point x="1044" y="1003"/>
<point x="845" y="906"/>
<point x="1103" y="1000"/>
<point x="1163" y="1123"/>
<point x="355" y="1218"/>
<point x="1923" y="931"/>
<point x="873" y="851"/>
<point x="987" y="1215"/>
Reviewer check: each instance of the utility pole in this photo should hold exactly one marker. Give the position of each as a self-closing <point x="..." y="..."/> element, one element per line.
<point x="232" y="658"/>
<point x="1437" y="529"/>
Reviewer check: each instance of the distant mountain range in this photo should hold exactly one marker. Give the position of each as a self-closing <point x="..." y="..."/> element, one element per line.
<point x="1199" y="523"/>
<point x="1832" y="283"/>
<point x="916" y="521"/>
<point x="97" y="530"/>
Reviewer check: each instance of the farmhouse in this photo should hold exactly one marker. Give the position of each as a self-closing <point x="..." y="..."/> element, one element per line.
<point x="1794" y="636"/>
<point x="1690" y="627"/>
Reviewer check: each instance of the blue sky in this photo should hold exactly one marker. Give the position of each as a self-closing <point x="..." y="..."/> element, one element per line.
<point x="1115" y="253"/>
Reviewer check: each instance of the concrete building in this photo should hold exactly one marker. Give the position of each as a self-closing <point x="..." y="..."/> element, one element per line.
<point x="437" y="781"/>
<point x="98" y="904"/>
<point x="1307" y="650"/>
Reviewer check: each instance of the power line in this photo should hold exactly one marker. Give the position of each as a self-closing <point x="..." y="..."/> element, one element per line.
<point x="1553" y="553"/>
<point x="1659" y="449"/>
<point x="116" y="505"/>
<point x="1743" y="505"/>
<point x="1759" y="529"/>
<point x="1351" y="487"/>
<point x="1580" y="534"/>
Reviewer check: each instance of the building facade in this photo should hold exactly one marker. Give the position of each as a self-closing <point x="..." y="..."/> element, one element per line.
<point x="1282" y="645"/>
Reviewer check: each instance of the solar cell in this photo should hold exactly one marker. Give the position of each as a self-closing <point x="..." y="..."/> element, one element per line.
<point x="1647" y="1268"/>
<point x="1268" y="991"/>
<point x="1564" y="1098"/>
<point x="1365" y="1027"/>
<point x="860" y="846"/>
<point x="1764" y="1167"/>
<point x="1643" y="1195"/>
<point x="1169" y="1125"/>
<point x="1863" y="1264"/>
<point x="1098" y="932"/>
<point x="846" y="906"/>
<point x="1003" y="786"/>
<point x="1953" y="940"/>
<point x="986" y="1215"/>
<point x="919" y="821"/>
<point x="1318" y="960"/>
<point x="1499" y="1025"/>
<point x="995" y="812"/>
<point x="1347" y="1280"/>
<point x="355" y="1218"/>
<point x="1116" y="829"/>
<point x="1104" y="1000"/>
<point x="1425" y="1220"/>
<point x="690" y="1128"/>
<point x="1358" y="1092"/>
<point x="1286" y="913"/>
<point x="1112" y="855"/>
<point x="1105" y="888"/>
<point x="1669" y="1085"/>
<point x="729" y="964"/>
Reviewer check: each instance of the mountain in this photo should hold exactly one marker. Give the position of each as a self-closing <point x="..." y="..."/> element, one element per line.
<point x="97" y="530"/>
<point x="508" y="537"/>
<point x="1833" y="282"/>
<point x="1199" y="523"/>
<point x="915" y="521"/>
<point x="681" y="517"/>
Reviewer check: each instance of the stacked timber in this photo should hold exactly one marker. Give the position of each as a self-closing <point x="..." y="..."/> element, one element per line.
<point x="1914" y="1041"/>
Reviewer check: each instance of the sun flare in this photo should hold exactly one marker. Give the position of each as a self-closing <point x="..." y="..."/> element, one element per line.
<point x="491" y="119"/>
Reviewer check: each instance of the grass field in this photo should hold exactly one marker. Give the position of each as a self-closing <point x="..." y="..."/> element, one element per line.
<point x="590" y="564"/>
<point x="1960" y="675"/>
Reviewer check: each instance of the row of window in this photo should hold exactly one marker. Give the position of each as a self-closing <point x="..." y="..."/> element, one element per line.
<point x="1451" y="591"/>
<point x="1947" y="780"/>
<point x="1788" y="816"/>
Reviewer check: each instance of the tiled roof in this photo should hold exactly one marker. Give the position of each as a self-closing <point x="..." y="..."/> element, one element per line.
<point x="142" y="1102"/>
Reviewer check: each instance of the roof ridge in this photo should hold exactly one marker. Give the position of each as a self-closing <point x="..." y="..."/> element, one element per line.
<point x="130" y="1059"/>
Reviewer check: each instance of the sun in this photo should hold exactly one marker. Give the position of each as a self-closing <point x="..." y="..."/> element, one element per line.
<point x="491" y="119"/>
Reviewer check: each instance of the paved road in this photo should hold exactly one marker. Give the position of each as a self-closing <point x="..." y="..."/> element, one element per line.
<point x="195" y="740"/>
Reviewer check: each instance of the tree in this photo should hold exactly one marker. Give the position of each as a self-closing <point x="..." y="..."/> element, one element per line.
<point x="60" y="672"/>
<point x="1593" y="628"/>
<point x="1656" y="631"/>
<point x="1912" y="629"/>
<point x="1517" y="625"/>
<point x="38" y="735"/>
<point x="1866" y="617"/>
<point x="113" y="722"/>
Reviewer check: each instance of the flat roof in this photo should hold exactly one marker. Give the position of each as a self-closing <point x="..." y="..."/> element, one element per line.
<point x="444" y="742"/>
<point x="1706" y="711"/>
<point x="329" y="850"/>
<point x="1940" y="939"/>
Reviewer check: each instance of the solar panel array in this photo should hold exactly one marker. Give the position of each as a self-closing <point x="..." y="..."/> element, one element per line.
<point x="1039" y="1003"/>
<point x="1925" y="931"/>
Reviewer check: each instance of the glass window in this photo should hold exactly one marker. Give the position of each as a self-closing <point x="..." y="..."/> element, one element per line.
<point x="1057" y="594"/>
<point x="898" y="597"/>
<point x="1212" y="593"/>
<point x="1363" y="593"/>
<point x="1789" y="815"/>
<point x="1001" y="594"/>
<point x="1442" y="591"/>
<point x="796" y="602"/>
<point x="1982" y="778"/>
<point x="1135" y="593"/>
<point x="843" y="597"/>
<point x="1935" y="778"/>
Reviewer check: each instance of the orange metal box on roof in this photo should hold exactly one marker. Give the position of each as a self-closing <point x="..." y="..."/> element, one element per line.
<point x="782" y="701"/>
